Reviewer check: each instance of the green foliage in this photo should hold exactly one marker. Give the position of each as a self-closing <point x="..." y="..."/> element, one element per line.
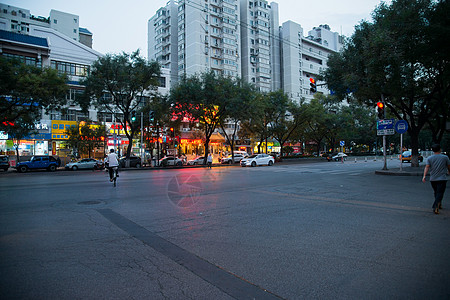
<point x="203" y="99"/>
<point x="402" y="58"/>
<point x="86" y="137"/>
<point x="118" y="83"/>
<point x="26" y="90"/>
<point x="285" y="116"/>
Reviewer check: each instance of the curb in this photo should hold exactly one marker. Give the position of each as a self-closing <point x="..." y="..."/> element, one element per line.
<point x="408" y="172"/>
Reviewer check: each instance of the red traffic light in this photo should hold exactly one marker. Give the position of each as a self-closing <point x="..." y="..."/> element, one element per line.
<point x="380" y="105"/>
<point x="171" y="128"/>
<point x="312" y="80"/>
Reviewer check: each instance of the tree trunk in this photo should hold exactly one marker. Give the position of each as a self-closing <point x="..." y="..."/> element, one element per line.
<point x="415" y="148"/>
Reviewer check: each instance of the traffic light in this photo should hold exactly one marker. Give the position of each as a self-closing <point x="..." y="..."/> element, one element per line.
<point x="172" y="132"/>
<point x="175" y="143"/>
<point x="312" y="83"/>
<point x="151" y="116"/>
<point x="380" y="107"/>
<point x="133" y="116"/>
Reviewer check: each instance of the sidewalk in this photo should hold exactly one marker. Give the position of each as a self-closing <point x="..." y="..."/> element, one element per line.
<point x="406" y="171"/>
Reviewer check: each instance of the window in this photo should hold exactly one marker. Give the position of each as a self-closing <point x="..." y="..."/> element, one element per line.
<point x="75" y="20"/>
<point x="162" y="82"/>
<point x="55" y="21"/>
<point x="70" y="68"/>
<point x="74" y="31"/>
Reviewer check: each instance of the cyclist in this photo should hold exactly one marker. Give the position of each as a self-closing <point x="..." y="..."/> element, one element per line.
<point x="113" y="162"/>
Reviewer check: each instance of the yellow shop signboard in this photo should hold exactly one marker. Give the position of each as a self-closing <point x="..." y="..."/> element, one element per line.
<point x="59" y="129"/>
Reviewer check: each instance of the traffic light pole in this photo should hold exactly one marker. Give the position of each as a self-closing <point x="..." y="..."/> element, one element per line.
<point x="384" y="137"/>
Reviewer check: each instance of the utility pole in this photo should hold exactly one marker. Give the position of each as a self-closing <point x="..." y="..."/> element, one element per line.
<point x="142" y="136"/>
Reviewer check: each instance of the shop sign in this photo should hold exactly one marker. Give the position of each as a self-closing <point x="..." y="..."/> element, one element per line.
<point x="59" y="129"/>
<point x="39" y="136"/>
<point x="44" y="126"/>
<point x="114" y="128"/>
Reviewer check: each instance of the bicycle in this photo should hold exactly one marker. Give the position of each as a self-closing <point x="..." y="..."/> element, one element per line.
<point x="114" y="174"/>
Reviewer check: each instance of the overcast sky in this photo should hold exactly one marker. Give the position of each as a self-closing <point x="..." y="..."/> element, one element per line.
<point x="119" y="25"/>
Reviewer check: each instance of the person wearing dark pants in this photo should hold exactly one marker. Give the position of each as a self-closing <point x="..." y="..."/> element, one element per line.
<point x="439" y="166"/>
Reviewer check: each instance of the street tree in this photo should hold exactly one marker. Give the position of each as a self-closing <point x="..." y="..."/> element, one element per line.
<point x="161" y="109"/>
<point x="201" y="99"/>
<point x="286" y="117"/>
<point x="26" y="91"/>
<point x="320" y="124"/>
<point x="257" y="127"/>
<point x="119" y="84"/>
<point x="85" y="137"/>
<point x="239" y="107"/>
<point x="400" y="59"/>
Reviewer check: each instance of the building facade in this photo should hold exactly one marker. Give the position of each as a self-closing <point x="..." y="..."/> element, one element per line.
<point x="303" y="57"/>
<point x="20" y="20"/>
<point x="34" y="41"/>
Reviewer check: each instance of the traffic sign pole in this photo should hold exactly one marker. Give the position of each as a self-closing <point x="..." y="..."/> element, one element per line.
<point x="401" y="127"/>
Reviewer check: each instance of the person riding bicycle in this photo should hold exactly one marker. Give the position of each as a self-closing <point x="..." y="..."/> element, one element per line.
<point x="113" y="162"/>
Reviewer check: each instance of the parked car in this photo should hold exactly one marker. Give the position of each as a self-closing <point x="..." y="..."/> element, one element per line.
<point x="257" y="160"/>
<point x="199" y="160"/>
<point x="4" y="162"/>
<point x="243" y="153"/>
<point x="39" y="162"/>
<point x="229" y="159"/>
<point x="407" y="155"/>
<point x="170" y="161"/>
<point x="86" y="163"/>
<point x="339" y="156"/>
<point x="135" y="162"/>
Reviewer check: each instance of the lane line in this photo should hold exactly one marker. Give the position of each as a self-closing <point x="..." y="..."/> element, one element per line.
<point x="231" y="284"/>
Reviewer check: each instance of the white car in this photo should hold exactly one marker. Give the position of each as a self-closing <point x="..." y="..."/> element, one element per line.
<point x="229" y="159"/>
<point x="339" y="156"/>
<point x="196" y="161"/>
<point x="258" y="160"/>
<point x="170" y="161"/>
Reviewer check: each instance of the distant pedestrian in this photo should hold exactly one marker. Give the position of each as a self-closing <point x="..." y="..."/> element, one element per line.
<point x="439" y="166"/>
<point x="209" y="161"/>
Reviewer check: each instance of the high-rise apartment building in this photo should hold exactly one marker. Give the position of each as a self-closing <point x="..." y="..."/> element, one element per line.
<point x="303" y="57"/>
<point x="240" y="38"/>
<point x="206" y="35"/>
<point x="260" y="41"/>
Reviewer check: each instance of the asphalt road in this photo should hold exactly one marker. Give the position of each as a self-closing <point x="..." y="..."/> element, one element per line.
<point x="291" y="231"/>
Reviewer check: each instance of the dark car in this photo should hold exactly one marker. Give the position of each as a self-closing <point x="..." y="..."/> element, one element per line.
<point x="4" y="162"/>
<point x="39" y="162"/>
<point x="135" y="162"/>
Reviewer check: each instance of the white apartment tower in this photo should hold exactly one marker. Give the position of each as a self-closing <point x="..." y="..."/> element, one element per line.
<point x="206" y="35"/>
<point x="260" y="46"/>
<point x="240" y="38"/>
<point x="305" y="57"/>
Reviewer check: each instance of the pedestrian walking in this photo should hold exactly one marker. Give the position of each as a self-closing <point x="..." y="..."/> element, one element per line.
<point x="209" y="161"/>
<point x="439" y="166"/>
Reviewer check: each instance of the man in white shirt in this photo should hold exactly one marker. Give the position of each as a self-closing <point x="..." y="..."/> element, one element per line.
<point x="113" y="161"/>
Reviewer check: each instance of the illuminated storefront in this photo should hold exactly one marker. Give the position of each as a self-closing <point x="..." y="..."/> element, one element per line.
<point x="59" y="136"/>
<point x="35" y="144"/>
<point x="189" y="144"/>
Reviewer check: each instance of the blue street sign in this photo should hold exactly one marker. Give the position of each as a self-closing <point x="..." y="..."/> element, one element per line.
<point x="342" y="143"/>
<point x="401" y="126"/>
<point x="385" y="124"/>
